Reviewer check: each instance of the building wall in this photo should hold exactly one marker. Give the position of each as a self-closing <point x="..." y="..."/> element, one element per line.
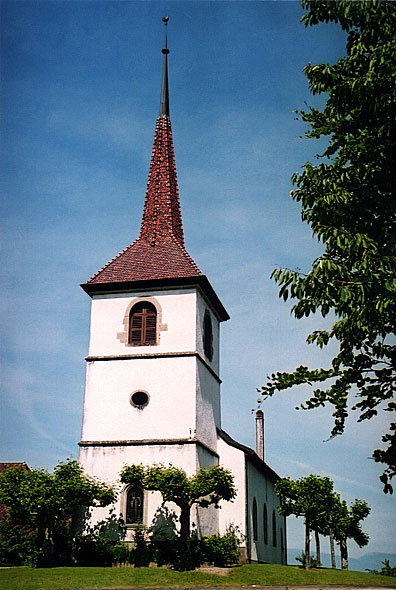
<point x="109" y="315"/>
<point x="184" y="395"/>
<point x="202" y="308"/>
<point x="261" y="488"/>
<point x="170" y="413"/>
<point x="207" y="519"/>
<point x="233" y="513"/>
<point x="184" y="407"/>
<point x="106" y="463"/>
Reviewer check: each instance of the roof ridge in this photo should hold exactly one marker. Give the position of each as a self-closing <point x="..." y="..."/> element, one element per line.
<point x="186" y="254"/>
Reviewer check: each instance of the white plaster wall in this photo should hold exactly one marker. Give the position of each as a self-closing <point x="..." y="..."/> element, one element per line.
<point x="106" y="463"/>
<point x="208" y="411"/>
<point x="207" y="518"/>
<point x="178" y="314"/>
<point x="202" y="307"/>
<point x="262" y="488"/>
<point x="233" y="512"/>
<point x="170" y="413"/>
<point x="184" y="395"/>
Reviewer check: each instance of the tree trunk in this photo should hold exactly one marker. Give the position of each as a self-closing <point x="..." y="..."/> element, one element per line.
<point x="317" y="541"/>
<point x="307" y="547"/>
<point x="185" y="561"/>
<point x="332" y="552"/>
<point x="185" y="522"/>
<point x="344" y="554"/>
<point x="47" y="557"/>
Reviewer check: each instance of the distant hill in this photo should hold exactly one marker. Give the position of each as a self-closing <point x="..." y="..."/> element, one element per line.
<point x="372" y="561"/>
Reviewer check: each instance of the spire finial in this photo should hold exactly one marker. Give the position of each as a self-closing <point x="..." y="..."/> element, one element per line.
<point x="164" y="104"/>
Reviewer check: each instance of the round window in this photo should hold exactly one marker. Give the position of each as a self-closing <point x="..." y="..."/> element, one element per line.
<point x="139" y="399"/>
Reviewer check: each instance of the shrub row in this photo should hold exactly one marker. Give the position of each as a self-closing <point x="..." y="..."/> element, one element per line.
<point x="101" y="550"/>
<point x="219" y="550"/>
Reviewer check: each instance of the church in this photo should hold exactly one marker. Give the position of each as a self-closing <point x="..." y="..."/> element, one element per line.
<point x="152" y="393"/>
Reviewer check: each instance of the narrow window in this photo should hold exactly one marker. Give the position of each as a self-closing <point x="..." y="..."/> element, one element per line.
<point x="273" y="528"/>
<point x="143" y="324"/>
<point x="208" y="337"/>
<point x="254" y="519"/>
<point x="134" y="506"/>
<point x="265" y="524"/>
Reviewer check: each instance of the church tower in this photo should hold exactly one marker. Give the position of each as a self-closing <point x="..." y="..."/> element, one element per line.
<point x="152" y="390"/>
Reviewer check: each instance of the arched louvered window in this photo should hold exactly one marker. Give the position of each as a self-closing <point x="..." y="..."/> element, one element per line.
<point x="273" y="528"/>
<point x="254" y="518"/>
<point x="134" y="506"/>
<point x="143" y="324"/>
<point x="265" y="524"/>
<point x="208" y="337"/>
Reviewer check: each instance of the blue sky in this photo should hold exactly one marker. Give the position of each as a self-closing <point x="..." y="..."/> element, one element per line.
<point x="79" y="98"/>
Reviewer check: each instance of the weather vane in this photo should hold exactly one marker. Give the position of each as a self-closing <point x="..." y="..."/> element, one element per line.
<point x="165" y="19"/>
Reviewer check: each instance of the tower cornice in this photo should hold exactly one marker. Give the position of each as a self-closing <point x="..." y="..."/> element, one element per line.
<point x="200" y="281"/>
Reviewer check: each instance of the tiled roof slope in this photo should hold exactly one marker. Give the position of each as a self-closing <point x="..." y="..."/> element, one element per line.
<point x="162" y="215"/>
<point x="7" y="465"/>
<point x="142" y="261"/>
<point x="159" y="251"/>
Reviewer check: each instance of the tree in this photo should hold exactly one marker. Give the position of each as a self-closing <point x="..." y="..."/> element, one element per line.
<point x="46" y="505"/>
<point x="207" y="487"/>
<point x="348" y="526"/>
<point x="349" y="200"/>
<point x="314" y="498"/>
<point x="311" y="497"/>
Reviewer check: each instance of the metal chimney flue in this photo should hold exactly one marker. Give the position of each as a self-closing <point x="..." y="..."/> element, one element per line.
<point x="260" y="434"/>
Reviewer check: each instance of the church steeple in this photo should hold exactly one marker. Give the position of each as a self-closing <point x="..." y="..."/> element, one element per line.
<point x="159" y="251"/>
<point x="159" y="254"/>
<point x="162" y="215"/>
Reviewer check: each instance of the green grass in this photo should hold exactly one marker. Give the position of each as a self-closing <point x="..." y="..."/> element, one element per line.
<point x="24" y="578"/>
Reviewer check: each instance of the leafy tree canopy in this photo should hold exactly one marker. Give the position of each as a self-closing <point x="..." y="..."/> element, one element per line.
<point x="46" y="503"/>
<point x="314" y="498"/>
<point x="349" y="199"/>
<point x="208" y="486"/>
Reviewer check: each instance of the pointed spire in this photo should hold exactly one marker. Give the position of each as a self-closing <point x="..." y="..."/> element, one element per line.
<point x="162" y="214"/>
<point x="164" y="104"/>
<point x="159" y="251"/>
<point x="158" y="257"/>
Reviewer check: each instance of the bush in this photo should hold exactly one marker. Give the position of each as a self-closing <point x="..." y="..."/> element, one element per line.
<point x="302" y="559"/>
<point x="164" y="552"/>
<point x="386" y="570"/>
<point x="221" y="550"/>
<point x="120" y="552"/>
<point x="142" y="552"/>
<point x="17" y="544"/>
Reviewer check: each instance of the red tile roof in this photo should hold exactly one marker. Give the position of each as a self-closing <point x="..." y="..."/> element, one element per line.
<point x="21" y="464"/>
<point x="161" y="214"/>
<point x="143" y="261"/>
<point x="159" y="251"/>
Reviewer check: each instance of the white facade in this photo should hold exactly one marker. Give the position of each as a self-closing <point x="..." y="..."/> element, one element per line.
<point x="180" y="424"/>
<point x="182" y="385"/>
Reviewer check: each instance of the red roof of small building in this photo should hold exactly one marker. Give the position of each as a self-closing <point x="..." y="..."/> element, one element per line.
<point x="21" y="464"/>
